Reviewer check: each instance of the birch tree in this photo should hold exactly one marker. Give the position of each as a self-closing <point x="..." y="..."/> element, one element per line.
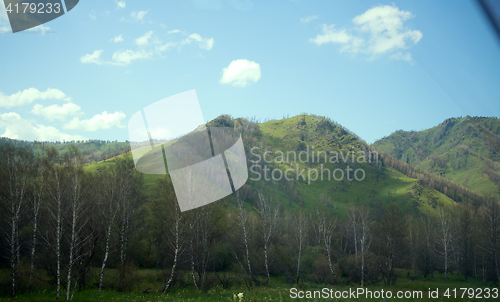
<point x="76" y="219"/>
<point x="193" y="227"/>
<point x="16" y="185"/>
<point x="171" y="226"/>
<point x="56" y="217"/>
<point x="364" y="238"/>
<point x="268" y="213"/>
<point x="202" y="237"/>
<point x="445" y="236"/>
<point x="176" y="243"/>
<point x="490" y="231"/>
<point x="106" y="199"/>
<point x="129" y="183"/>
<point x="38" y="191"/>
<point x="352" y="218"/>
<point x="327" y="225"/>
<point x="300" y="230"/>
<point x="243" y="222"/>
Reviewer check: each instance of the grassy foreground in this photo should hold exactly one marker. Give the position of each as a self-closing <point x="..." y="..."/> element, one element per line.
<point x="277" y="290"/>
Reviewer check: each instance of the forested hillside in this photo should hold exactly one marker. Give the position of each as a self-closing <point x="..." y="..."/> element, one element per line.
<point x="71" y="225"/>
<point x="464" y="150"/>
<point x="91" y="150"/>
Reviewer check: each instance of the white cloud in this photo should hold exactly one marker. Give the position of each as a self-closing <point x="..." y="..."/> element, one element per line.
<point x="240" y="73"/>
<point x="125" y="57"/>
<point x="94" y="58"/>
<point x="173" y="31"/>
<point x="144" y="39"/>
<point x="308" y="19"/>
<point x="119" y="58"/>
<point x="29" y="95"/>
<point x="104" y="120"/>
<point x="331" y="35"/>
<point x="150" y="47"/>
<point x="117" y="39"/>
<point x="120" y="4"/>
<point x="203" y="43"/>
<point x="165" y="47"/>
<point x="40" y="28"/>
<point x="92" y="15"/>
<point x="385" y="25"/>
<point x="139" y="16"/>
<point x="402" y="56"/>
<point x="19" y="128"/>
<point x="57" y="112"/>
<point x="380" y="30"/>
<point x="5" y="29"/>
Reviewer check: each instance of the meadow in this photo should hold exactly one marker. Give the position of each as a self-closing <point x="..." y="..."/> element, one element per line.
<point x="149" y="284"/>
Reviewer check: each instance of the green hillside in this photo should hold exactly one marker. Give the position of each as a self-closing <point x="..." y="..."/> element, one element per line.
<point x="320" y="187"/>
<point x="380" y="186"/>
<point x="92" y="150"/>
<point x="464" y="150"/>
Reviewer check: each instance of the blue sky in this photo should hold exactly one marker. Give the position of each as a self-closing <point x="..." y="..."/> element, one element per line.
<point x="374" y="67"/>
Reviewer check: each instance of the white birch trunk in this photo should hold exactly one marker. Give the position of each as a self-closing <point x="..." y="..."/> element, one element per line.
<point x="446" y="236"/>
<point x="299" y="233"/>
<point x="364" y="220"/>
<point x="16" y="186"/>
<point x="177" y="250"/>
<point x="71" y="245"/>
<point x="106" y="253"/>
<point x="37" y="202"/>
<point x="269" y="216"/>
<point x="192" y="256"/>
<point x="56" y="194"/>
<point x="245" y="236"/>
<point x="327" y="227"/>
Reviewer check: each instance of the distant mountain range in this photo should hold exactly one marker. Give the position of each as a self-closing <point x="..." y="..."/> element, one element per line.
<point x="463" y="150"/>
<point x="419" y="171"/>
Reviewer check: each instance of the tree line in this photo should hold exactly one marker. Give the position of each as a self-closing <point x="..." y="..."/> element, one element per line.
<point x="69" y="225"/>
<point x="457" y="192"/>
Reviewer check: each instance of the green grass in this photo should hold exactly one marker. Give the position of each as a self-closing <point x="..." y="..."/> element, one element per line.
<point x="277" y="290"/>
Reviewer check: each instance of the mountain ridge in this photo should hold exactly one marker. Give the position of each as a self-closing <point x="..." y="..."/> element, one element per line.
<point x="385" y="181"/>
<point x="465" y="150"/>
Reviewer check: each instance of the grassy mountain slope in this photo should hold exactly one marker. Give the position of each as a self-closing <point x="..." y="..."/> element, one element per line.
<point x="303" y="135"/>
<point x="464" y="150"/>
<point x="380" y="187"/>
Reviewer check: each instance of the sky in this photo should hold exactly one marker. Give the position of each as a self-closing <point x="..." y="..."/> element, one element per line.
<point x="373" y="67"/>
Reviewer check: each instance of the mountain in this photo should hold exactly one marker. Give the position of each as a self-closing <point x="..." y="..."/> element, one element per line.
<point x="463" y="150"/>
<point x="303" y="146"/>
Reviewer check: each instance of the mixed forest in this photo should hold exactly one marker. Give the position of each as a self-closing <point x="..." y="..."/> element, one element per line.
<point x="78" y="215"/>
